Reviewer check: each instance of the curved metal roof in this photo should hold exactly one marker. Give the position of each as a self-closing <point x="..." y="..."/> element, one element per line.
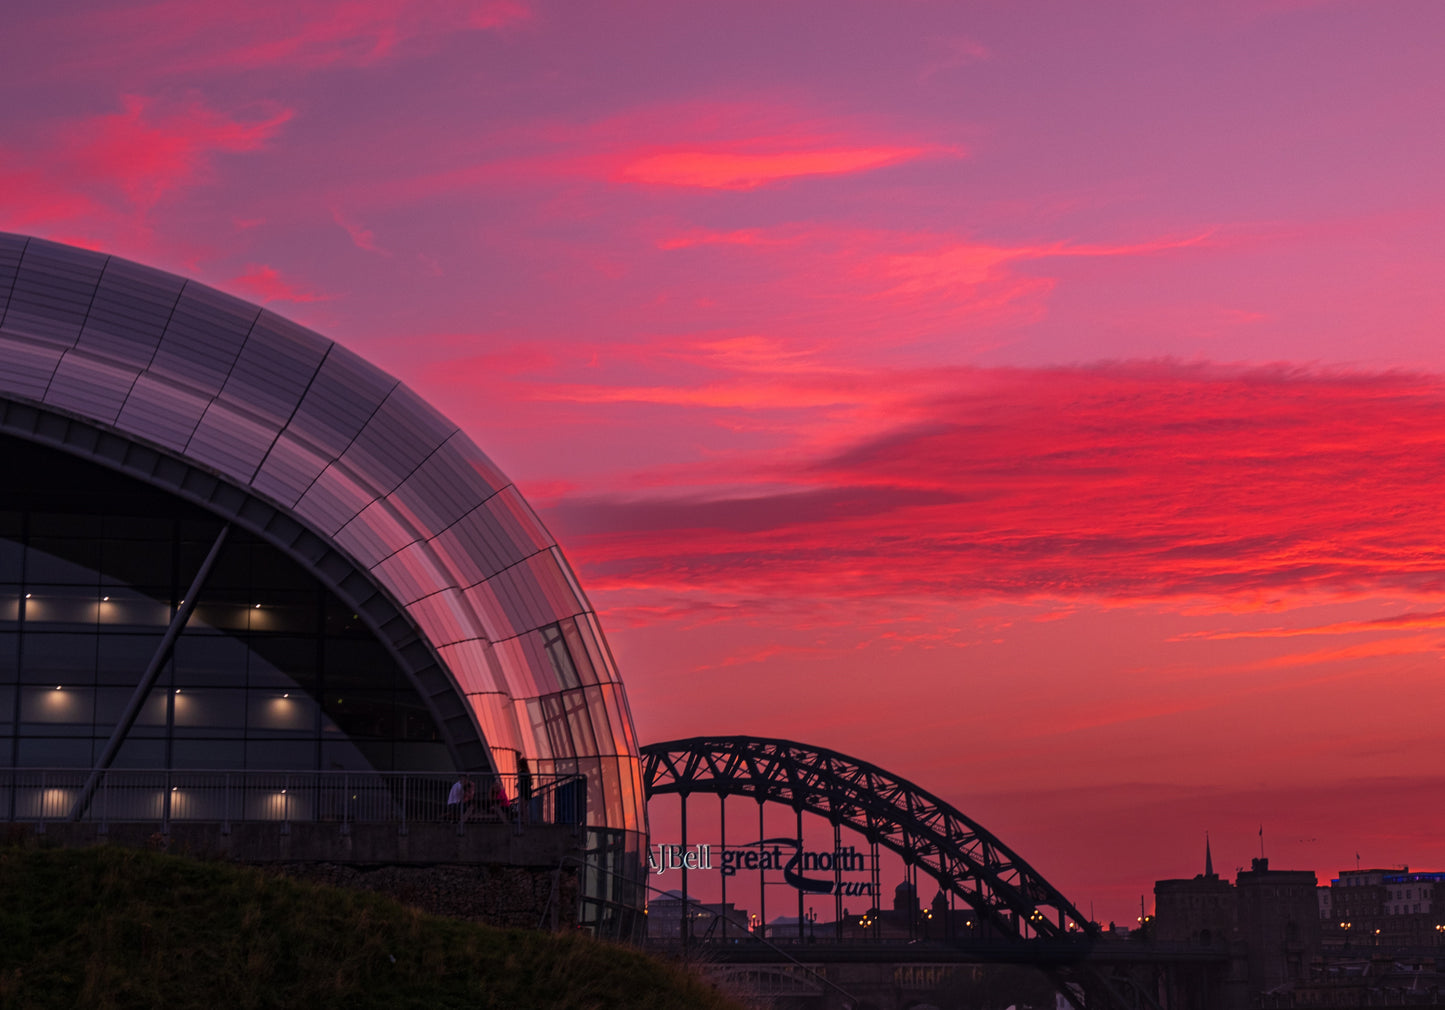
<point x="357" y="458"/>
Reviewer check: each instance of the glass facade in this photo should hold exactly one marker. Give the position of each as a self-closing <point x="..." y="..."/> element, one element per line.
<point x="207" y="399"/>
<point x="270" y="670"/>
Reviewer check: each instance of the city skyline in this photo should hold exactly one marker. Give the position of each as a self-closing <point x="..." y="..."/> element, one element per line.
<point x="1042" y="403"/>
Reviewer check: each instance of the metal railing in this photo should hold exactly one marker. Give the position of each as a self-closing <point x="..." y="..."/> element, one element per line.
<point x="344" y="798"/>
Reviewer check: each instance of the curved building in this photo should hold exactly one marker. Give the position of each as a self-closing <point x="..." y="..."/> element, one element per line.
<point x="304" y="529"/>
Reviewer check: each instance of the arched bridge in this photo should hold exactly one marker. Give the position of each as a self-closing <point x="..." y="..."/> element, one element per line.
<point x="929" y="833"/>
<point x="1017" y="909"/>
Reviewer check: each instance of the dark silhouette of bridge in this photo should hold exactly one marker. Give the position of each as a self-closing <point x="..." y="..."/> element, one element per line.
<point x="1020" y="917"/>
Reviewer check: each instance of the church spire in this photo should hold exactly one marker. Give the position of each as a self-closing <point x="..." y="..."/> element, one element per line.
<point x="1208" y="859"/>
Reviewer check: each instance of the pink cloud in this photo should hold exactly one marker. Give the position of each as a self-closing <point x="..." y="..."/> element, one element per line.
<point x="361" y="237"/>
<point x="177" y="37"/>
<point x="121" y="165"/>
<point x="266" y="283"/>
<point x="148" y="153"/>
<point x="723" y="169"/>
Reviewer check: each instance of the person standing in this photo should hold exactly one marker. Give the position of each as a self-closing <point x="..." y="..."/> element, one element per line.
<point x="455" y="800"/>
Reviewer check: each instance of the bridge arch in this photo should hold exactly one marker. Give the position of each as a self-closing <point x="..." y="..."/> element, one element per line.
<point x="929" y="833"/>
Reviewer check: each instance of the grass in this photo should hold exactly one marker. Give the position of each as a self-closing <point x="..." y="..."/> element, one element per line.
<point x="118" y="928"/>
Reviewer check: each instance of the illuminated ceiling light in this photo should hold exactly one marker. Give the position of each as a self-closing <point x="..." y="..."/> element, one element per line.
<point x="178" y="690"/>
<point x="105" y="599"/>
<point x="57" y="687"/>
<point x="286" y="695"/>
<point x="174" y="788"/>
<point x="27" y="596"/>
<point x="258" y="606"/>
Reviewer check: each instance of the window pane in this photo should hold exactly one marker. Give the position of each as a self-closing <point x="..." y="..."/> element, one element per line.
<point x="73" y="562"/>
<point x="209" y="711"/>
<point x="280" y="713"/>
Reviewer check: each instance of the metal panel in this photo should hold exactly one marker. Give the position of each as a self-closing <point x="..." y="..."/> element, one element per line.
<point x="342" y="397"/>
<point x="11" y="246"/>
<point x="397" y="438"/>
<point x="495" y="623"/>
<point x="444" y="487"/>
<point x="511" y="513"/>
<point x="498" y="721"/>
<point x="476" y="548"/>
<point x="52" y="292"/>
<point x="376" y="533"/>
<point x="529" y="592"/>
<point x="26" y="367"/>
<point x="444" y="616"/>
<point x="275" y="366"/>
<point x="129" y="313"/>
<point x="86" y="385"/>
<point x="412" y="573"/>
<point x="203" y="339"/>
<point x="232" y="440"/>
<point x="161" y="412"/>
<point x="335" y="498"/>
<point x="475" y="666"/>
<point x="289" y="469"/>
<point x="529" y="674"/>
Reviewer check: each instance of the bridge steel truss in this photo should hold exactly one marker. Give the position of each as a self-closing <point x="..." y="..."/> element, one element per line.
<point x="967" y="860"/>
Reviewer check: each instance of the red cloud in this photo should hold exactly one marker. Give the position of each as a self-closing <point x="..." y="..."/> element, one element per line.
<point x="1122" y="482"/>
<point x="722" y="169"/>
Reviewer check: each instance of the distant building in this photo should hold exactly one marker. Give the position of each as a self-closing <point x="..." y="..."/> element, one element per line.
<point x="667" y="913"/>
<point x="1278" y="921"/>
<point x="1384" y="908"/>
<point x="1267" y="920"/>
<point x="1200" y="910"/>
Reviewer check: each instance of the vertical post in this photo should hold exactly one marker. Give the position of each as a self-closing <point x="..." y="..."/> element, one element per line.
<point x="762" y="877"/>
<point x="877" y="887"/>
<point x="948" y="931"/>
<point x="722" y="846"/>
<point x="40" y="829"/>
<point x="286" y="806"/>
<point x="837" y="885"/>
<point x="226" y="804"/>
<point x="346" y="803"/>
<point x="404" y="780"/>
<point x="104" y="806"/>
<point x="686" y="902"/>
<point x="166" y="804"/>
<point x="799" y="811"/>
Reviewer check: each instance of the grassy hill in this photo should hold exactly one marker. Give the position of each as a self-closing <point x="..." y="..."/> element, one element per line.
<point x="110" y="927"/>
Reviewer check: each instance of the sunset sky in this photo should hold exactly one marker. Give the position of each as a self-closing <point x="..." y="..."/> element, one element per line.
<point x="1044" y="401"/>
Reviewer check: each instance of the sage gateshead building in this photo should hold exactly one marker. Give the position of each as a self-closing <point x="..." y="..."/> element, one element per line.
<point x="230" y="544"/>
